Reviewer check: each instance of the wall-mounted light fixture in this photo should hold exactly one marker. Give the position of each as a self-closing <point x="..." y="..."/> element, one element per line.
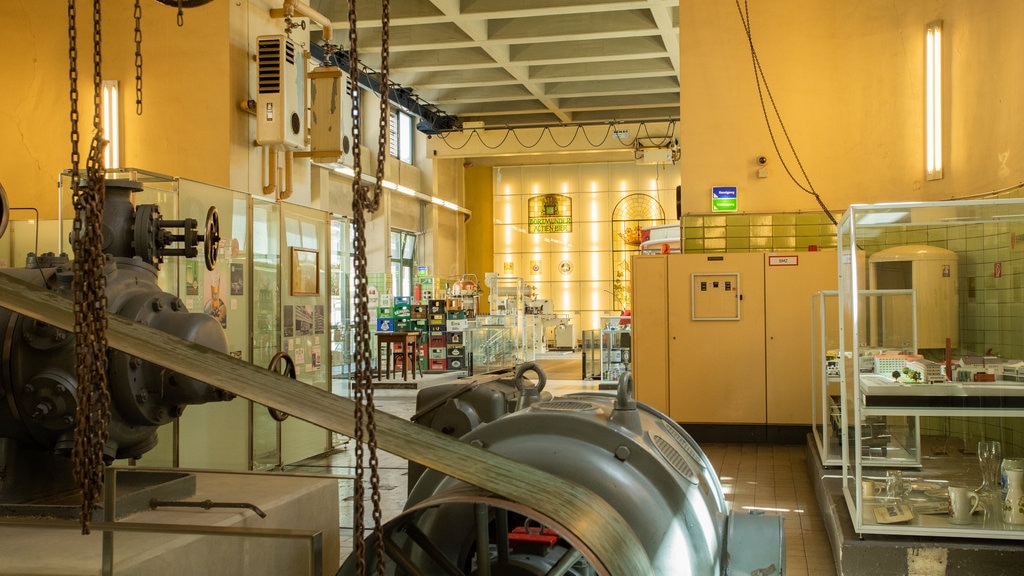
<point x="933" y="101"/>
<point x="111" y="124"/>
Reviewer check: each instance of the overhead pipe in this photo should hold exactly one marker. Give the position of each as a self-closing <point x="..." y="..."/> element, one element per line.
<point x="292" y="7"/>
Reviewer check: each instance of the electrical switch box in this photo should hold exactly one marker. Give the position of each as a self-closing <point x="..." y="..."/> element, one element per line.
<point x="715" y="296"/>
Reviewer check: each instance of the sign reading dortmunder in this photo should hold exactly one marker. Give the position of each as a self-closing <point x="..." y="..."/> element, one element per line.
<point x="550" y="213"/>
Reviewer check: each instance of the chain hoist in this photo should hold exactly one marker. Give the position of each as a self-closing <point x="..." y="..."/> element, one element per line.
<point x="89" y="282"/>
<point x="365" y="200"/>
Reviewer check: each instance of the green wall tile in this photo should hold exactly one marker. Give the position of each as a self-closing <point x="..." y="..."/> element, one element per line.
<point x="737" y="244"/>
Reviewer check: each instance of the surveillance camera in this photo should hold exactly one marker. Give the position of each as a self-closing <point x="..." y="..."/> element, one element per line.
<point x="762" y="160"/>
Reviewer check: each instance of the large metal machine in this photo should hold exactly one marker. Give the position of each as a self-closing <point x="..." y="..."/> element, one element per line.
<point x="38" y="385"/>
<point x="633" y="457"/>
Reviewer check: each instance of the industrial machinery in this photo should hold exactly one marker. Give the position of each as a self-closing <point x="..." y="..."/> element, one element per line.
<point x="38" y="385"/>
<point x="635" y="458"/>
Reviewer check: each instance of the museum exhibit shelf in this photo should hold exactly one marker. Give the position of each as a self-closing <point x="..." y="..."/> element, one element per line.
<point x="962" y="387"/>
<point x="616" y="350"/>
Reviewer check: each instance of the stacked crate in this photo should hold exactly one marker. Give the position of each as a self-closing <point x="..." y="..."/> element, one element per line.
<point x="418" y="323"/>
<point x="436" y="347"/>
<point x="385" y="314"/>
<point x="456" y="324"/>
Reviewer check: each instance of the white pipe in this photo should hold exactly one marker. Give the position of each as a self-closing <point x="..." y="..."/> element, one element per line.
<point x="290" y="7"/>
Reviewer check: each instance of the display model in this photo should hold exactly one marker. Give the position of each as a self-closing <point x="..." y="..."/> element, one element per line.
<point x="969" y="401"/>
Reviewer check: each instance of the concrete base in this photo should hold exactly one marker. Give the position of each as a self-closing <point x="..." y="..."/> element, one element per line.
<point x="289" y="502"/>
<point x="884" y="555"/>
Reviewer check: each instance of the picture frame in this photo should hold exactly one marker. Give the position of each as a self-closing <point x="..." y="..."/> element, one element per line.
<point x="305" y="272"/>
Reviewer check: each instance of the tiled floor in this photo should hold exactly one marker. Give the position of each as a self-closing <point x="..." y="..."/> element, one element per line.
<point x="768" y="478"/>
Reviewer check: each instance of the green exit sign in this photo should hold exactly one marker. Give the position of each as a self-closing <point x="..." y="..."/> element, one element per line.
<point x="723" y="199"/>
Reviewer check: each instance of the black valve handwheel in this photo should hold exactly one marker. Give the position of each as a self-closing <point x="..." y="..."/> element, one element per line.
<point x="289" y="371"/>
<point x="211" y="241"/>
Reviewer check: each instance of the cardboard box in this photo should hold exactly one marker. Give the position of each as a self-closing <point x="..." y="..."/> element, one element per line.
<point x="456" y="351"/>
<point x="456" y="314"/>
<point x="456" y="363"/>
<point x="385" y="324"/>
<point x="418" y="312"/>
<point x="437" y="353"/>
<point x="454" y="338"/>
<point x="436" y="341"/>
<point x="438" y="365"/>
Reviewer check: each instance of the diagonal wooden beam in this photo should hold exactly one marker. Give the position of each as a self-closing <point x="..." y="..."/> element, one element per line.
<point x="607" y="539"/>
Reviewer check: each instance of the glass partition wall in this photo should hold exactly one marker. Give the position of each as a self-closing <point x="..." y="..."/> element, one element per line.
<point x="280" y="285"/>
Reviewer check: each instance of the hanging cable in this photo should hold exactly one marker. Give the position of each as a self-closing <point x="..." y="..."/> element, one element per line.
<point x="762" y="88"/>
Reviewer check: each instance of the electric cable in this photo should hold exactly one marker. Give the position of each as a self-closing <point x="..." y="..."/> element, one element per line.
<point x="581" y="128"/>
<point x="759" y="79"/>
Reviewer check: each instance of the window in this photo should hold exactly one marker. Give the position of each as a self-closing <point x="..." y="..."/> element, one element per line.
<point x="400" y="136"/>
<point x="403" y="251"/>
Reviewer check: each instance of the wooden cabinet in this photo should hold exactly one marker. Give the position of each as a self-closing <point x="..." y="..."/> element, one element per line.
<point x="725" y="338"/>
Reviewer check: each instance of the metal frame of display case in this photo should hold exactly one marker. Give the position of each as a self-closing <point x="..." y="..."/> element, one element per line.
<point x="828" y="355"/>
<point x="591" y="346"/>
<point x="997" y="407"/>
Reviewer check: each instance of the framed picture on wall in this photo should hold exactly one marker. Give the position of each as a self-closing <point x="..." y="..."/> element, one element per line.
<point x="305" y="272"/>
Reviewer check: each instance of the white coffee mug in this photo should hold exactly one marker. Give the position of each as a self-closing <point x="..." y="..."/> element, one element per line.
<point x="962" y="503"/>
<point x="870" y="488"/>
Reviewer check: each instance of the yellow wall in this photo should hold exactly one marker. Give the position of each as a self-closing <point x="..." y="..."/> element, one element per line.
<point x="184" y="127"/>
<point x="848" y="80"/>
<point x="480" y="228"/>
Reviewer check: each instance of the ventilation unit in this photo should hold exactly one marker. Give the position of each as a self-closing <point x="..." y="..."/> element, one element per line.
<point x="280" y="81"/>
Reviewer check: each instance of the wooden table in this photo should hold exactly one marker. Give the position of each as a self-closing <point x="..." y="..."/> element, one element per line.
<point x="386" y="341"/>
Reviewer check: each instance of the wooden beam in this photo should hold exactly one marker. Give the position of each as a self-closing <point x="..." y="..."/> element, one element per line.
<point x="608" y="540"/>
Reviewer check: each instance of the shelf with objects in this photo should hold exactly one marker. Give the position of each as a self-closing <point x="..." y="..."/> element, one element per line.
<point x="961" y="260"/>
<point x="616" y="350"/>
<point x="887" y="340"/>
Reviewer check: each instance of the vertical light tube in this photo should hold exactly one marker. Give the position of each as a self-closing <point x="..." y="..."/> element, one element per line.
<point x="933" y="101"/>
<point x="111" y="124"/>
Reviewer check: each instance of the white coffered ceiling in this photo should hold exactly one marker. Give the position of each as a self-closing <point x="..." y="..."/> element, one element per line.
<point x="527" y="62"/>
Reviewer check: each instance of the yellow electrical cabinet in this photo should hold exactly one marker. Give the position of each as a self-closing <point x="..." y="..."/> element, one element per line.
<point x="726" y="338"/>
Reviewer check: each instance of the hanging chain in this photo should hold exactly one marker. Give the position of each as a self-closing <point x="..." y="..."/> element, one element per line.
<point x="382" y="153"/>
<point x="138" y="57"/>
<point x="93" y="413"/>
<point x="362" y="354"/>
<point x="365" y="200"/>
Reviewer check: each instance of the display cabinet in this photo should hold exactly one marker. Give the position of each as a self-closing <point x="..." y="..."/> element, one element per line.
<point x="491" y="343"/>
<point x="959" y="394"/>
<point x="616" y="350"/>
<point x="591" y="347"/>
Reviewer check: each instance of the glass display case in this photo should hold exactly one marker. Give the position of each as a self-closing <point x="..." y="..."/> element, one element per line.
<point x="491" y="344"/>
<point x="616" y="350"/>
<point x="591" y="354"/>
<point x="886" y="340"/>
<point x="958" y="401"/>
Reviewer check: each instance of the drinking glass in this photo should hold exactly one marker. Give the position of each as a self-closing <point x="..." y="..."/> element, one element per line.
<point x="990" y="455"/>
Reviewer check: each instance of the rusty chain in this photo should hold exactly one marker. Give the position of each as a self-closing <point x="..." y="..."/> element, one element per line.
<point x="93" y="412"/>
<point x="365" y="200"/>
<point x="138" y="57"/>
